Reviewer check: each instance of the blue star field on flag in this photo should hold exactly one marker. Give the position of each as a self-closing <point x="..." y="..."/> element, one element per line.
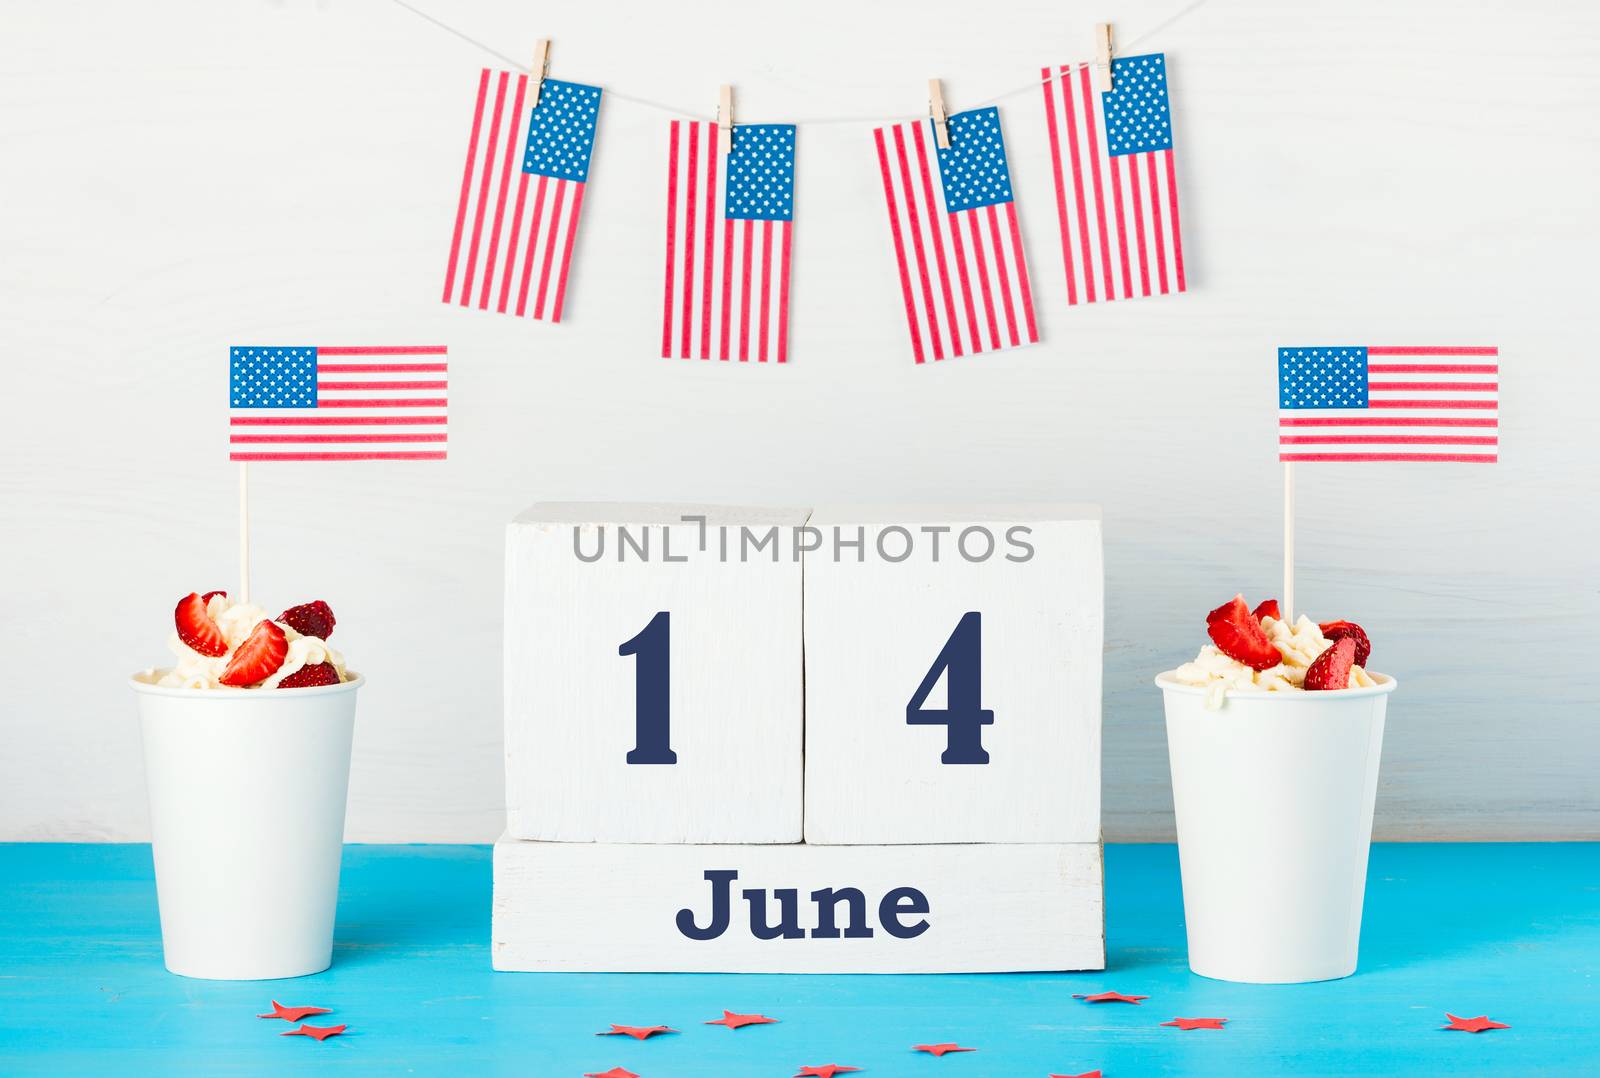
<point x="1138" y="118"/>
<point x="561" y="132"/>
<point x="272" y="378"/>
<point x="1322" y="378"/>
<point x="974" y="169"/>
<point x="761" y="173"/>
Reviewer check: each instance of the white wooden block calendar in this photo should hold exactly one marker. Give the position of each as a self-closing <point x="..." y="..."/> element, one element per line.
<point x="568" y="907"/>
<point x="653" y="673"/>
<point x="691" y="690"/>
<point x="953" y="675"/>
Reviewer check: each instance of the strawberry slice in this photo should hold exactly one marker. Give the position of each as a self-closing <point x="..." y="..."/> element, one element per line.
<point x="1338" y="630"/>
<point x="207" y="597"/>
<point x="307" y="676"/>
<point x="310" y="619"/>
<point x="1267" y="609"/>
<point x="195" y="627"/>
<point x="1239" y="635"/>
<point x="1332" y="668"/>
<point x="258" y="657"/>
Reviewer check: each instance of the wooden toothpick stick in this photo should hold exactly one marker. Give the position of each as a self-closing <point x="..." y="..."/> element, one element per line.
<point x="244" y="532"/>
<point x="1288" y="542"/>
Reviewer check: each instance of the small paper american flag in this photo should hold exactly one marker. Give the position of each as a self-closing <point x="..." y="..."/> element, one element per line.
<point x="956" y="240"/>
<point x="327" y="404"/>
<point x="1368" y="403"/>
<point x="1115" y="179"/>
<point x="726" y="290"/>
<point x="517" y="215"/>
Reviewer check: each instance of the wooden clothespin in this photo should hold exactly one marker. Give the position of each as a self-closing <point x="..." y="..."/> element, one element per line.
<point x="725" y="120"/>
<point x="941" y="119"/>
<point x="1102" y="56"/>
<point x="541" y="68"/>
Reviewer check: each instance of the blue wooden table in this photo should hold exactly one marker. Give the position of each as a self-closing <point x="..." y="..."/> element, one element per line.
<point x="1511" y="931"/>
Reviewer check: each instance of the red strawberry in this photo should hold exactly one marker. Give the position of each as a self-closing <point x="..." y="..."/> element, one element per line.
<point x="1332" y="668"/>
<point x="195" y="627"/>
<point x="1267" y="609"/>
<point x="310" y="619"/>
<point x="306" y="676"/>
<point x="1240" y="636"/>
<point x="206" y="598"/>
<point x="258" y="657"/>
<point x="1338" y="630"/>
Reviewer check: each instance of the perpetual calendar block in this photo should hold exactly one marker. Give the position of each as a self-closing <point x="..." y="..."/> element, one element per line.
<point x="953" y="675"/>
<point x="653" y="674"/>
<point x="601" y="908"/>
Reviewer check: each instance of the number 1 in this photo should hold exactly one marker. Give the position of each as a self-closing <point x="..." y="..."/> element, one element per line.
<point x="652" y="698"/>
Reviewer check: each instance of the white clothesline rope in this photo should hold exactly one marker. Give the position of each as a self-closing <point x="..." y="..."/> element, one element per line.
<point x="674" y="110"/>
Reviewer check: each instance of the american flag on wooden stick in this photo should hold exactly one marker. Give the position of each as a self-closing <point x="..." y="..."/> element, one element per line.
<point x="726" y="294"/>
<point x="325" y="404"/>
<point x="1355" y="403"/>
<point x="517" y="215"/>
<point x="1115" y="180"/>
<point x="957" y="244"/>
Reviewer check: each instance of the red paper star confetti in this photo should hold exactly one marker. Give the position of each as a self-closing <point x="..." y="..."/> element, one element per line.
<point x="827" y="1070"/>
<point x="1085" y="1074"/>
<point x="322" y="1033"/>
<point x="638" y="1033"/>
<point x="734" y="1021"/>
<point x="940" y="1049"/>
<point x="1196" y="1023"/>
<point x="293" y="1014"/>
<point x="614" y="1072"/>
<point x="1472" y="1025"/>
<point x="1110" y="997"/>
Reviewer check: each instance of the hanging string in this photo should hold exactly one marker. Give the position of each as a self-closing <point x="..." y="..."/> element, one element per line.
<point x="673" y="110"/>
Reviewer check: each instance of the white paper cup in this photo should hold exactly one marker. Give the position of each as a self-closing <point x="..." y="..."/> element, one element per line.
<point x="247" y="795"/>
<point x="1274" y="795"/>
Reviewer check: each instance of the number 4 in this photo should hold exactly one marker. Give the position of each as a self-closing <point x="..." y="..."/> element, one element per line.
<point x="963" y="715"/>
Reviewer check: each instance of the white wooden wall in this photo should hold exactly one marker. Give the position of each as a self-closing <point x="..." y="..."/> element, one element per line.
<point x="180" y="176"/>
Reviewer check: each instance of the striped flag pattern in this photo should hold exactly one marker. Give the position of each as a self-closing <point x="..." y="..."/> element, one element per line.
<point x="517" y="214"/>
<point x="298" y="403"/>
<point x="957" y="244"/>
<point x="729" y="223"/>
<point x="1115" y="180"/>
<point x="1351" y="403"/>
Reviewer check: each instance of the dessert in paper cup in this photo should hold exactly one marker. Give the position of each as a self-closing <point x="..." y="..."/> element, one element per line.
<point x="247" y="762"/>
<point x="1274" y="733"/>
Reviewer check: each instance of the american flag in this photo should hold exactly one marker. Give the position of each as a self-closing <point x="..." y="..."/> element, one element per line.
<point x="1116" y="184"/>
<point x="727" y="269"/>
<point x="517" y="217"/>
<point x="957" y="244"/>
<point x="380" y="403"/>
<point x="1367" y="403"/>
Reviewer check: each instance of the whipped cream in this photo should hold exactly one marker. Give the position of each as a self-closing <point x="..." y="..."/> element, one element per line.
<point x="236" y="620"/>
<point x="1299" y="644"/>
